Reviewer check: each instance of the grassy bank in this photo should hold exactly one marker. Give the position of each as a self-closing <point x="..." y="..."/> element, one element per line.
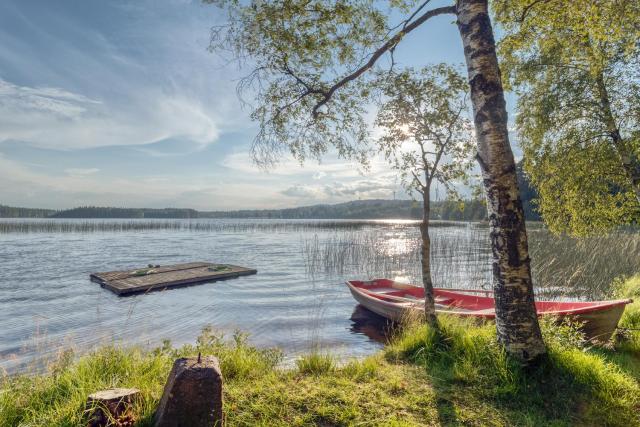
<point x="456" y="376"/>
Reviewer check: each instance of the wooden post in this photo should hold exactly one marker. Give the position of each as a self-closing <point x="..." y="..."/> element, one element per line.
<point x="192" y="395"/>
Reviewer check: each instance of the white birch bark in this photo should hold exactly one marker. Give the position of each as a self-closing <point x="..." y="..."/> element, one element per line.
<point x="516" y="320"/>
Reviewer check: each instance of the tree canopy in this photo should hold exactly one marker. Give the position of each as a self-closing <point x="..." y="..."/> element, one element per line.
<point x="576" y="69"/>
<point x="311" y="77"/>
<point x="301" y="53"/>
<point x="426" y="134"/>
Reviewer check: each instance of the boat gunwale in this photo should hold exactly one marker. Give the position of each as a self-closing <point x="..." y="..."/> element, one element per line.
<point x="409" y="305"/>
<point x="594" y="306"/>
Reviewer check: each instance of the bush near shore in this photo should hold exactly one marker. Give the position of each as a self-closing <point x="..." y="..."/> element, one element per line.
<point x="457" y="375"/>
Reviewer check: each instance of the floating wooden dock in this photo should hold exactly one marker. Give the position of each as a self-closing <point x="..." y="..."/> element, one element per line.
<point x="167" y="276"/>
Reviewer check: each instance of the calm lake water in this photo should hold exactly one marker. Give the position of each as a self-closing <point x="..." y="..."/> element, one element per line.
<point x="297" y="301"/>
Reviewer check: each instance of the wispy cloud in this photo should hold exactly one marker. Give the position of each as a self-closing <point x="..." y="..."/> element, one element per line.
<point x="304" y="191"/>
<point x="24" y="185"/>
<point x="331" y="166"/>
<point x="81" y="171"/>
<point x="54" y="117"/>
<point x="381" y="186"/>
<point x="16" y="100"/>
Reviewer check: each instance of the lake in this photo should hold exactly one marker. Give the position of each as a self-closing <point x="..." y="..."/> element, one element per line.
<point x="297" y="301"/>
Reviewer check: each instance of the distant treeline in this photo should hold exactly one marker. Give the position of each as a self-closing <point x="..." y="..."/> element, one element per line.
<point x="11" y="212"/>
<point x="101" y="212"/>
<point x="366" y="209"/>
<point x="470" y="210"/>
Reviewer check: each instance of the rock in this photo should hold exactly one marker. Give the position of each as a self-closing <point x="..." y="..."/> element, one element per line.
<point x="192" y="395"/>
<point x="112" y="407"/>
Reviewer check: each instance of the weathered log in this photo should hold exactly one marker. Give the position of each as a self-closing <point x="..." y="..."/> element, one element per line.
<point x="192" y="395"/>
<point x="112" y="407"/>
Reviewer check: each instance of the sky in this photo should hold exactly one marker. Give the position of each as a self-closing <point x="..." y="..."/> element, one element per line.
<point x="119" y="103"/>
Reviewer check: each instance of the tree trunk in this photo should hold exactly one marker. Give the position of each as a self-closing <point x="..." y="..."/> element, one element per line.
<point x="628" y="157"/>
<point x="429" y="304"/>
<point x="516" y="319"/>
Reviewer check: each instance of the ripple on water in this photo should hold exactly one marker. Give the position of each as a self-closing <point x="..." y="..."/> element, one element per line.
<point x="47" y="301"/>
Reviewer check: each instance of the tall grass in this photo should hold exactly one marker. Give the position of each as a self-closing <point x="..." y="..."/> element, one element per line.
<point x="583" y="267"/>
<point x="458" y="375"/>
<point x="574" y="385"/>
<point x="202" y="225"/>
<point x="316" y="363"/>
<point x="58" y="397"/>
<point x="460" y="256"/>
<point x="562" y="267"/>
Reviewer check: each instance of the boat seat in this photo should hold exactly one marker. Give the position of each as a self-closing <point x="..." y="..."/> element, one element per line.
<point x="485" y="311"/>
<point x="443" y="300"/>
<point x="383" y="290"/>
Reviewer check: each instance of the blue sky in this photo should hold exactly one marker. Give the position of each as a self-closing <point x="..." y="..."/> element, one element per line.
<point x="119" y="103"/>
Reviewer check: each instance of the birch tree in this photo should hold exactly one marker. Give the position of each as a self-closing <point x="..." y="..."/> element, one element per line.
<point x="312" y="63"/>
<point x="427" y="137"/>
<point x="577" y="72"/>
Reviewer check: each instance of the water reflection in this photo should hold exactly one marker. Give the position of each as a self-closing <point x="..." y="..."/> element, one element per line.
<point x="297" y="301"/>
<point x="373" y="326"/>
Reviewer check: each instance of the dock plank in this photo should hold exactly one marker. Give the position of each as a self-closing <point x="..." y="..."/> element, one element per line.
<point x="168" y="276"/>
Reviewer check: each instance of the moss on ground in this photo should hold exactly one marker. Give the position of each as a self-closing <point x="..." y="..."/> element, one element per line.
<point x="455" y="376"/>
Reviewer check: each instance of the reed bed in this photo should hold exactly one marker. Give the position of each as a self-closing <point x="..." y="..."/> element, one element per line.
<point x="93" y="226"/>
<point x="562" y="267"/>
<point x="460" y="257"/>
<point x="583" y="267"/>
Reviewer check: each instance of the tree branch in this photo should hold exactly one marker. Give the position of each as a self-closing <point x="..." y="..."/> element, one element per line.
<point x="390" y="44"/>
<point x="420" y="187"/>
<point x="455" y="120"/>
<point x="526" y="10"/>
<point x="413" y="15"/>
<point x="549" y="64"/>
<point x="308" y="89"/>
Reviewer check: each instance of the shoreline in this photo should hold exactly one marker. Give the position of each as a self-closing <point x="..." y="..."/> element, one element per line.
<point x="458" y="375"/>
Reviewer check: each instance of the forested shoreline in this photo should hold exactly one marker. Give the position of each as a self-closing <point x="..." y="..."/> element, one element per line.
<point x="447" y="210"/>
<point x="470" y="210"/>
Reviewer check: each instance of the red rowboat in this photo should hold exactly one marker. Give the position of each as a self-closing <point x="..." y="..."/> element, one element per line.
<point x="395" y="300"/>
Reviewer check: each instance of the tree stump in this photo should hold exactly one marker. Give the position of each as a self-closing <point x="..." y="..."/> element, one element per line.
<point x="112" y="407"/>
<point x="192" y="395"/>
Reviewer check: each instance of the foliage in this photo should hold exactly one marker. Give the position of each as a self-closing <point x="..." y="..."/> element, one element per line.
<point x="108" y="212"/>
<point x="628" y="334"/>
<point x="425" y="132"/>
<point x="576" y="68"/>
<point x="528" y="194"/>
<point x="629" y="288"/>
<point x="293" y="44"/>
<point x="563" y="333"/>
<point x="309" y="63"/>
<point x="457" y="375"/>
